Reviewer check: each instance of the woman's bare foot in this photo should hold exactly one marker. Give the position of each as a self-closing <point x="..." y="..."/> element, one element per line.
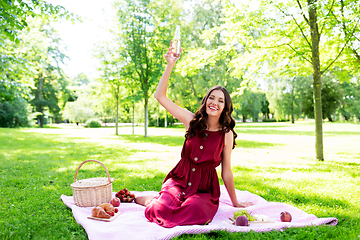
<point x="144" y="200"/>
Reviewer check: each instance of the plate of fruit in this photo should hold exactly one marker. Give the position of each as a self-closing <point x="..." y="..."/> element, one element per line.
<point x="243" y="218"/>
<point x="125" y="195"/>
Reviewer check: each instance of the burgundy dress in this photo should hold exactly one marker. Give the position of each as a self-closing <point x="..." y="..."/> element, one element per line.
<point x="190" y="192"/>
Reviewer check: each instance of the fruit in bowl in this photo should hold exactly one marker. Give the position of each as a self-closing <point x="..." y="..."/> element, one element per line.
<point x="125" y="195"/>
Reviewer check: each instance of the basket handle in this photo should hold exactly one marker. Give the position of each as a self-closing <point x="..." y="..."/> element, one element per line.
<point x="91" y="160"/>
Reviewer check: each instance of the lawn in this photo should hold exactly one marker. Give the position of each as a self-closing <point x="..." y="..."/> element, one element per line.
<point x="273" y="160"/>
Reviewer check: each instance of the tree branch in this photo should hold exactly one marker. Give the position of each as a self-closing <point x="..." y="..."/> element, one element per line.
<point x="330" y="11"/>
<point x="345" y="45"/>
<point x="302" y="33"/>
<point x="307" y="20"/>
<point x="306" y="59"/>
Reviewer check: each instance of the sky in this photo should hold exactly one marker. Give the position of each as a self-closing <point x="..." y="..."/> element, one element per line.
<point x="81" y="37"/>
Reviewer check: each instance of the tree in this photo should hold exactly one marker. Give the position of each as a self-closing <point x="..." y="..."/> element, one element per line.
<point x="45" y="56"/>
<point x="143" y="32"/>
<point x="284" y="96"/>
<point x="331" y="94"/>
<point x="289" y="33"/>
<point x="193" y="76"/>
<point x="13" y="108"/>
<point x="248" y="103"/>
<point x="346" y="18"/>
<point x="350" y="104"/>
<point x="117" y="75"/>
<point x="111" y="74"/>
<point x="15" y="15"/>
<point x="79" y="111"/>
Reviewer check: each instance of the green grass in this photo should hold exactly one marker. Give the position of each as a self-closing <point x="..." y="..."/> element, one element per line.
<point x="164" y="140"/>
<point x="37" y="166"/>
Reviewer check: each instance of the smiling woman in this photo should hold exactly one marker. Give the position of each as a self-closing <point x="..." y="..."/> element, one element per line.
<point x="190" y="192"/>
<point x="215" y="103"/>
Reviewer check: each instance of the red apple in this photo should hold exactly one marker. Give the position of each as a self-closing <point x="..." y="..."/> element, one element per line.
<point x="115" y="202"/>
<point x="285" y="217"/>
<point x="242" y="221"/>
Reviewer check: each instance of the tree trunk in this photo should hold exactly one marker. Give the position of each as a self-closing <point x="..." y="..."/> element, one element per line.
<point x="41" y="117"/>
<point x="292" y="104"/>
<point x="133" y="118"/>
<point x="292" y="112"/>
<point x="193" y="90"/>
<point x="117" y="112"/>
<point x="315" y="40"/>
<point x="146" y="116"/>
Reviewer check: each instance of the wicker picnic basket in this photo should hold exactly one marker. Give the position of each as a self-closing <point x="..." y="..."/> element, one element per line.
<point x="93" y="191"/>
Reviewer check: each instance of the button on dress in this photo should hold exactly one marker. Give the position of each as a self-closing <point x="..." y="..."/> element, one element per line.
<point x="190" y="192"/>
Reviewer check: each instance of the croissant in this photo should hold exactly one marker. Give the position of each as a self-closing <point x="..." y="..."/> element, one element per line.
<point x="99" y="212"/>
<point x="108" y="207"/>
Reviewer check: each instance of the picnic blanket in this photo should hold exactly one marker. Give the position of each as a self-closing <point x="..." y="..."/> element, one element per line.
<point x="132" y="224"/>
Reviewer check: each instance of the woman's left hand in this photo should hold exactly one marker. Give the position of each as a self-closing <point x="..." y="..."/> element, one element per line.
<point x="244" y="204"/>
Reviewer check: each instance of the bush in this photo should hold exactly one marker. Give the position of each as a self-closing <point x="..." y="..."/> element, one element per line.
<point x="93" y="124"/>
<point x="274" y="120"/>
<point x="13" y="113"/>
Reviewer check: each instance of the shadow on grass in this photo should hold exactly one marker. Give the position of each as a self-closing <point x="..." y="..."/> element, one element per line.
<point x="264" y="131"/>
<point x="256" y="144"/>
<point x="265" y="188"/>
<point x="36" y="169"/>
<point x="272" y="132"/>
<point x="177" y="141"/>
<point x="259" y="126"/>
<point x="172" y="141"/>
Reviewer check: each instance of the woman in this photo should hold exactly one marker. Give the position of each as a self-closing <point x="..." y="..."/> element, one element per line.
<point x="190" y="192"/>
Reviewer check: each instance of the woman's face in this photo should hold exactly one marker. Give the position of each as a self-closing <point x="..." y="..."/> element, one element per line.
<point x="215" y="103"/>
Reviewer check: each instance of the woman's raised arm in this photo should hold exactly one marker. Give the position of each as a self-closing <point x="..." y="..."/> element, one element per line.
<point x="183" y="115"/>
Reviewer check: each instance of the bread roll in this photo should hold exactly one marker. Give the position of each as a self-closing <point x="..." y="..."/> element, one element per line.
<point x="99" y="212"/>
<point x="107" y="207"/>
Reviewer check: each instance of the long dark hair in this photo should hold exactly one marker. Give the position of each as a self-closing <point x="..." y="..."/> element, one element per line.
<point x="226" y="121"/>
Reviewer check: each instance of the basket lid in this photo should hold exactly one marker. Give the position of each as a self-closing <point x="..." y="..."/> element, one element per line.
<point x="91" y="182"/>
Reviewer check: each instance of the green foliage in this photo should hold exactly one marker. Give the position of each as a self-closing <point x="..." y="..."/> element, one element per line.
<point x="248" y="104"/>
<point x="331" y="97"/>
<point x="15" y="15"/>
<point x="93" y="123"/>
<point x="13" y="108"/>
<point x="134" y="61"/>
<point x="201" y="65"/>
<point x="277" y="38"/>
<point x="13" y="113"/>
<point x="350" y="103"/>
<point x="31" y="70"/>
<point x="285" y="95"/>
<point x="46" y="54"/>
<point x="79" y="110"/>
